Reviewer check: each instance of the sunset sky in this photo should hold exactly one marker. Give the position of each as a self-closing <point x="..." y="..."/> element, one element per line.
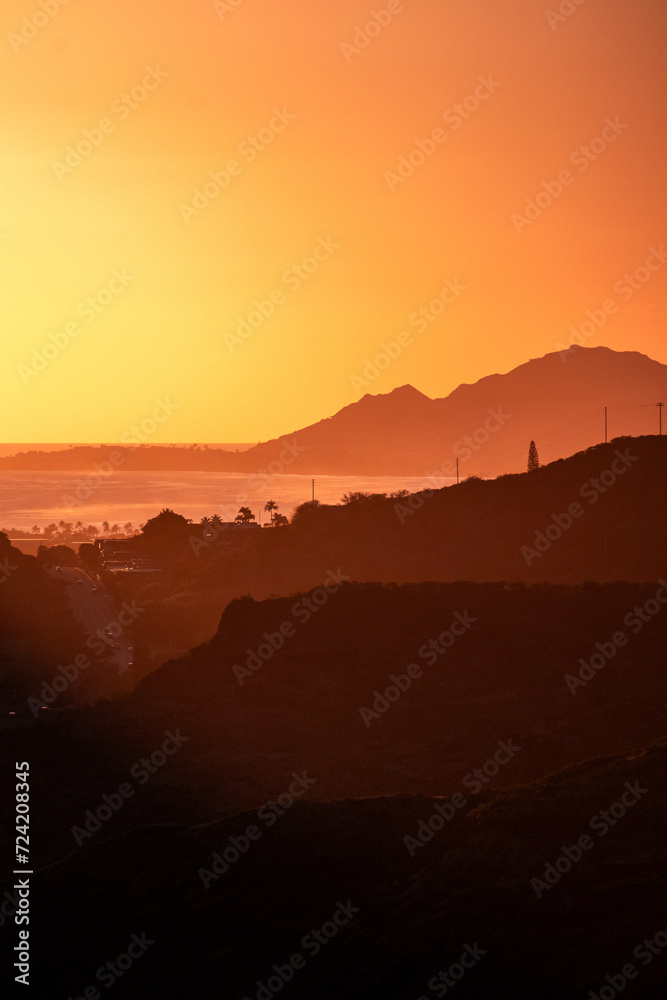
<point x="172" y="276"/>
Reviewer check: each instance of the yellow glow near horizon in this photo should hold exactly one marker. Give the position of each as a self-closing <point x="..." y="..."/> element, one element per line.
<point x="219" y="76"/>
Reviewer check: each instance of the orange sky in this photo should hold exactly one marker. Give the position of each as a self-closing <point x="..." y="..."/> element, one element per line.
<point x="170" y="282"/>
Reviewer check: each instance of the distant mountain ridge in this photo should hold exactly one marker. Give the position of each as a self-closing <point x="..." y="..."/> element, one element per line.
<point x="557" y="400"/>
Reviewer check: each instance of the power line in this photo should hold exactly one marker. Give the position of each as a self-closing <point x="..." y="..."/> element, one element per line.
<point x="636" y="406"/>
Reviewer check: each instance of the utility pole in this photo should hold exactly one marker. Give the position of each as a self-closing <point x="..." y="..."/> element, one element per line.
<point x="457" y="472"/>
<point x="313" y="491"/>
<point x="605" y="425"/>
<point x="660" y="406"/>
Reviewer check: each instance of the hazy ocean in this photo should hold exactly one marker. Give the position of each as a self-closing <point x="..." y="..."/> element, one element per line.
<point x="29" y="498"/>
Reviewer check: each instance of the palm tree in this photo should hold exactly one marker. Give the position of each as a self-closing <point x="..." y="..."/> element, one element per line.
<point x="217" y="521"/>
<point x="245" y="515"/>
<point x="35" y="530"/>
<point x="271" y="507"/>
<point x="115" y="529"/>
<point x="206" y="521"/>
<point x="105" y="527"/>
<point x="91" y="529"/>
<point x="280" y="521"/>
<point x="78" y="526"/>
<point x="128" y="528"/>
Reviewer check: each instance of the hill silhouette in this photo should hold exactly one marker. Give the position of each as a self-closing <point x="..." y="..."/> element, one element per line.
<point x="557" y="400"/>
<point x="249" y="728"/>
<point x="403" y="918"/>
<point x="514" y="529"/>
<point x="495" y="680"/>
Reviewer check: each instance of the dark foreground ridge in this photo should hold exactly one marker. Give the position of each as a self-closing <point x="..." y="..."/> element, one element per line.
<point x="381" y="691"/>
<point x="547" y="890"/>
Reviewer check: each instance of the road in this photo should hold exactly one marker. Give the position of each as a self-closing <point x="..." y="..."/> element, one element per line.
<point x="94" y="609"/>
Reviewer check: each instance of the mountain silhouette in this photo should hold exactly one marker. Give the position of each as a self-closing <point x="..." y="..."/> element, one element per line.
<point x="557" y="400"/>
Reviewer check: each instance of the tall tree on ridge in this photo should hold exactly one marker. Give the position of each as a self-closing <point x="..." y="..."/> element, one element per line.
<point x="533" y="460"/>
